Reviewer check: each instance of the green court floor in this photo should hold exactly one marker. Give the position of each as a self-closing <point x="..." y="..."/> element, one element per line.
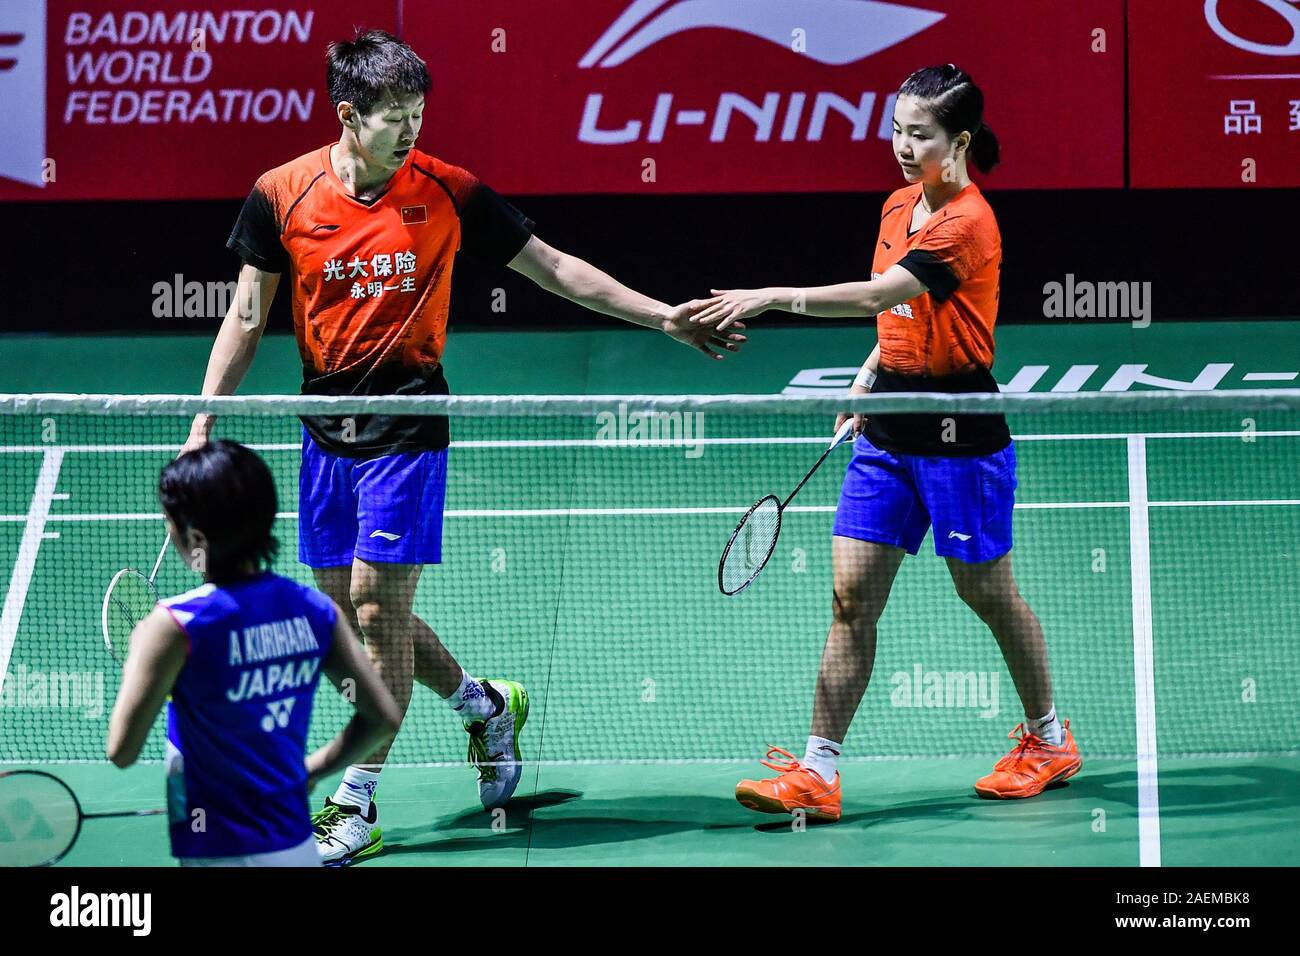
<point x="1158" y="552"/>
<point x="1214" y="812"/>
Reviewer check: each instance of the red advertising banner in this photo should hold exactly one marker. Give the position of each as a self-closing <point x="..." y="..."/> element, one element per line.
<point x="124" y="99"/>
<point x="1214" y="93"/>
<point x="679" y="96"/>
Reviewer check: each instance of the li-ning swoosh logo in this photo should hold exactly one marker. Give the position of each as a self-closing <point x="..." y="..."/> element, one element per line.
<point x="23" y="156"/>
<point x="837" y="31"/>
<point x="386" y="535"/>
<point x="1286" y="9"/>
<point x="9" y="39"/>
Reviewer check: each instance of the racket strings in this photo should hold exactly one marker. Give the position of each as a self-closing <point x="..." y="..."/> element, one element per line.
<point x="130" y="598"/>
<point x="751" y="546"/>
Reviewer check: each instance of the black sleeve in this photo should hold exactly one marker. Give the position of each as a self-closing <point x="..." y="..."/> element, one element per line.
<point x="492" y="230"/>
<point x="256" y="236"/>
<point x="931" y="270"/>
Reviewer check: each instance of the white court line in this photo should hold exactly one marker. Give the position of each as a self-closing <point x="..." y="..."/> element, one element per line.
<point x="1143" y="657"/>
<point x="25" y="564"/>
<point x="667" y="511"/>
<point x="637" y="443"/>
<point x="1244" y="503"/>
<point x="1127" y="435"/>
<point x="133" y="449"/>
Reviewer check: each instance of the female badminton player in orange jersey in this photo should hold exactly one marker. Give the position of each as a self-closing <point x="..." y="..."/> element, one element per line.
<point x="934" y="292"/>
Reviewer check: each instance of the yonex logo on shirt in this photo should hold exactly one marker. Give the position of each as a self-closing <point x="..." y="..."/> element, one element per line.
<point x="279" y="714"/>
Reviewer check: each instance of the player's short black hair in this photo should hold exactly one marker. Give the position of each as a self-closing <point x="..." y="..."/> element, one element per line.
<point x="957" y="104"/>
<point x="226" y="491"/>
<point x="371" y="65"/>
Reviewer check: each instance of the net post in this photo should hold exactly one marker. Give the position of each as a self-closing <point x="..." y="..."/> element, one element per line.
<point x="1143" y="655"/>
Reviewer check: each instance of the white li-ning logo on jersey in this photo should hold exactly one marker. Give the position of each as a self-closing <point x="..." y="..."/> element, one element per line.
<point x="279" y="714"/>
<point x="902" y="308"/>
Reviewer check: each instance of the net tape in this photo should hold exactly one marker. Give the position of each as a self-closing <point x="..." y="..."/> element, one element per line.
<point x="1282" y="400"/>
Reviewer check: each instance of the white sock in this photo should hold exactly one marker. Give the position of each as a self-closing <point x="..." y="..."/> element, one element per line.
<point x="821" y="756"/>
<point x="470" y="700"/>
<point x="1046" y="727"/>
<point x="357" y="788"/>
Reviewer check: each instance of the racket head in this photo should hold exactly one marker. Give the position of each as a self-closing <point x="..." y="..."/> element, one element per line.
<point x="750" y="546"/>
<point x="127" y="601"/>
<point x="40" y="818"/>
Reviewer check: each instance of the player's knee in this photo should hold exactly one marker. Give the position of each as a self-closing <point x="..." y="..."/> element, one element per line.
<point x="856" y="607"/>
<point x="374" y="616"/>
<point x="987" y="598"/>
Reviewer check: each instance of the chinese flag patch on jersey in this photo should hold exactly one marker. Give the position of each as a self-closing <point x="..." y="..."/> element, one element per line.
<point x="413" y="214"/>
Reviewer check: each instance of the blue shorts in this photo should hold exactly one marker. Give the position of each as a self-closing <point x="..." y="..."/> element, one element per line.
<point x="893" y="499"/>
<point x="385" y="510"/>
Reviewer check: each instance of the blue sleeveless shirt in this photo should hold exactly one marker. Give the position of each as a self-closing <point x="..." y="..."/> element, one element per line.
<point x="239" y="715"/>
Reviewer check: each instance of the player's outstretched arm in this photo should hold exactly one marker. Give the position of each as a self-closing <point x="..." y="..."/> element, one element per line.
<point x="377" y="717"/>
<point x="579" y="281"/>
<point x="844" y="300"/>
<point x="157" y="654"/>
<point x="237" y="340"/>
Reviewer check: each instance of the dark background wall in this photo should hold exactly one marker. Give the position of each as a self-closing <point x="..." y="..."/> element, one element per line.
<point x="91" y="267"/>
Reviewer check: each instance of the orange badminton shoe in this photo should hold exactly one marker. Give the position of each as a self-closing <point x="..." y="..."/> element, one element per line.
<point x="795" y="788"/>
<point x="1031" y="767"/>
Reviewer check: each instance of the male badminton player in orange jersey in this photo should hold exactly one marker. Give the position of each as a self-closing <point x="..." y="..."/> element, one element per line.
<point x="364" y="231"/>
<point x="934" y="292"/>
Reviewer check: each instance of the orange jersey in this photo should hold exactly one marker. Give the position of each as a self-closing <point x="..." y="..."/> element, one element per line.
<point x="370" y="281"/>
<point x="957" y="253"/>
<point x="942" y="340"/>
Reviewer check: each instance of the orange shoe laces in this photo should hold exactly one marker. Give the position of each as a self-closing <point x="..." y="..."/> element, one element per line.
<point x="787" y="766"/>
<point x="1027" y="741"/>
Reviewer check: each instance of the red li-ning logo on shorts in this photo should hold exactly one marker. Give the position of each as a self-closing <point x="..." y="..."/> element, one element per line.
<point x="414" y="214"/>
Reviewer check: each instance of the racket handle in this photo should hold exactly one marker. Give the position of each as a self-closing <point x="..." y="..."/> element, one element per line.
<point x="161" y="554"/>
<point x="846" y="430"/>
<point x="123" y="813"/>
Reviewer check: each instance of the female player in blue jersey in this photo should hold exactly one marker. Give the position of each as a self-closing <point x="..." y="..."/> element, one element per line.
<point x="241" y="657"/>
